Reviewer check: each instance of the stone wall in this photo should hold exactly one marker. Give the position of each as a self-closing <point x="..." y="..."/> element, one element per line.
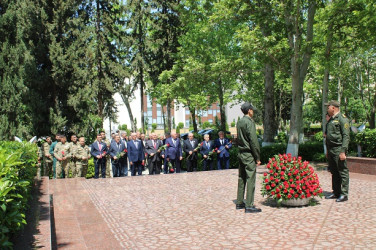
<point x="362" y="165"/>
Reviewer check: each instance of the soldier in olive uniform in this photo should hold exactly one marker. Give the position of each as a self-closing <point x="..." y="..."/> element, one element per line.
<point x="337" y="143"/>
<point x="52" y="149"/>
<point x="62" y="153"/>
<point x="108" y="156"/>
<point x="72" y="164"/>
<point x="249" y="159"/>
<point x="47" y="157"/>
<point x="82" y="156"/>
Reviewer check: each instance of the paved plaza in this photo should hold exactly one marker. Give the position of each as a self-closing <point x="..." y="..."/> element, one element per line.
<point x="197" y="211"/>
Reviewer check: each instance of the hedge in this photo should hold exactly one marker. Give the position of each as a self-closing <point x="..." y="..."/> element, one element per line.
<point x="367" y="141"/>
<point x="17" y="171"/>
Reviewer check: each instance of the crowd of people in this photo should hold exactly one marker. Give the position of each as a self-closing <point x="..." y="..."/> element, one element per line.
<point x="134" y="154"/>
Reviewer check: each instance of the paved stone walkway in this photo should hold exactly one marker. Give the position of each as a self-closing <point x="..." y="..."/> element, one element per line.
<point x="197" y="211"/>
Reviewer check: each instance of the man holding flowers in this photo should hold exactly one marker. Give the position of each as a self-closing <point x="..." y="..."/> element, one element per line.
<point x="249" y="158"/>
<point x="190" y="147"/>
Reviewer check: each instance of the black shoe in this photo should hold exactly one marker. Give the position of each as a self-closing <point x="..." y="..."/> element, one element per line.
<point x="240" y="206"/>
<point x="342" y="198"/>
<point x="252" y="210"/>
<point x="332" y="196"/>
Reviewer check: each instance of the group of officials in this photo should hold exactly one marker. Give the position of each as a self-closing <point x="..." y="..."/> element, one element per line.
<point x="167" y="153"/>
<point x="115" y="157"/>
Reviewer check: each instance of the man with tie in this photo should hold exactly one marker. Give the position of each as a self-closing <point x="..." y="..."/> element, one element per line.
<point x="205" y="149"/>
<point x="136" y="155"/>
<point x="154" y="155"/>
<point x="99" y="151"/>
<point x="223" y="145"/>
<point x="118" y="157"/>
<point x="173" y="153"/>
<point x="189" y="147"/>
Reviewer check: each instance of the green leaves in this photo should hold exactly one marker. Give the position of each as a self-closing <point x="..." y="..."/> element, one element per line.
<point x="17" y="171"/>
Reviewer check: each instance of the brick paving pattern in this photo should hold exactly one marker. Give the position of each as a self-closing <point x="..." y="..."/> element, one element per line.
<point x="197" y="211"/>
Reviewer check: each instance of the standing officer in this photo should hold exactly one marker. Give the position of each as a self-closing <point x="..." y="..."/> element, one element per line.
<point x="118" y="157"/>
<point x="136" y="155"/>
<point x="189" y="147"/>
<point x="206" y="148"/>
<point x="54" y="160"/>
<point x="72" y="165"/>
<point x="337" y="143"/>
<point x="223" y="145"/>
<point x="108" y="156"/>
<point x="154" y="154"/>
<point x="62" y="152"/>
<point x="47" y="157"/>
<point x="249" y="158"/>
<point x="82" y="156"/>
<point x="99" y="151"/>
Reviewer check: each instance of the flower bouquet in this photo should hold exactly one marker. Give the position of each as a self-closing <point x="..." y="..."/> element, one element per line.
<point x="210" y="155"/>
<point x="289" y="180"/>
<point x="170" y="167"/>
<point x="163" y="147"/>
<point x="196" y="149"/>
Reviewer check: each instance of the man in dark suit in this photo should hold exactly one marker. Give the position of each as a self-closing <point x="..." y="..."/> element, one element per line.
<point x="118" y="158"/>
<point x="189" y="147"/>
<point x="99" y="151"/>
<point x="223" y="145"/>
<point x="154" y="155"/>
<point x="165" y="167"/>
<point x="173" y="153"/>
<point x="136" y="155"/>
<point x="207" y="147"/>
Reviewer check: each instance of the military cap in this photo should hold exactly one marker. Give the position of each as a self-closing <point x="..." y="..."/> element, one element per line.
<point x="246" y="106"/>
<point x="333" y="103"/>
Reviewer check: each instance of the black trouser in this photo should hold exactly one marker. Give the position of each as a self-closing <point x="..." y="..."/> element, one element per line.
<point x="191" y="165"/>
<point x="154" y="167"/>
<point x="136" y="167"/>
<point x="100" y="163"/>
<point x="207" y="164"/>
<point x="175" y="164"/>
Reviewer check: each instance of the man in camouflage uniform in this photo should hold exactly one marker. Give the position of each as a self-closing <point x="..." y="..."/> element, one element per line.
<point x="47" y="157"/>
<point x="72" y="164"/>
<point x="82" y="156"/>
<point x="62" y="153"/>
<point x="249" y="159"/>
<point x="337" y="142"/>
<point x="108" y="156"/>
<point x="52" y="148"/>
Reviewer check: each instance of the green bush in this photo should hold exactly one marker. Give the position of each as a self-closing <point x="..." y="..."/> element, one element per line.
<point x="310" y="151"/>
<point x="271" y="150"/>
<point x="90" y="168"/>
<point x="319" y="137"/>
<point x="367" y="140"/>
<point x="282" y="137"/>
<point x="17" y="171"/>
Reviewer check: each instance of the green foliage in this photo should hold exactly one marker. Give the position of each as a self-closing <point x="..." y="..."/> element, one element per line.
<point x="271" y="150"/>
<point x="319" y="137"/>
<point x="206" y="125"/>
<point x="233" y="124"/>
<point x="17" y="171"/>
<point x="90" y="169"/>
<point x="282" y="137"/>
<point x="309" y="150"/>
<point x="367" y="141"/>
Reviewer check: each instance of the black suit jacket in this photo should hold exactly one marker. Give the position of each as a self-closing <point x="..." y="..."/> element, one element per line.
<point x="149" y="149"/>
<point x="187" y="146"/>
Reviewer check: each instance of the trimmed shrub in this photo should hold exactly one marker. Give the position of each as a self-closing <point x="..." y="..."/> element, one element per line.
<point x="17" y="171"/>
<point x="367" y="140"/>
<point x="319" y="137"/>
<point x="309" y="149"/>
<point x="271" y="150"/>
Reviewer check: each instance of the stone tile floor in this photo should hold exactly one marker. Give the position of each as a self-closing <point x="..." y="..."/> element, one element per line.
<point x="197" y="211"/>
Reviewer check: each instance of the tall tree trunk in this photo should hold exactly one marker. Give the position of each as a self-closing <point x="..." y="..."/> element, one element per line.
<point x="126" y="102"/>
<point x="269" y="110"/>
<point x="99" y="65"/>
<point x="142" y="101"/>
<point x="222" y="107"/>
<point x="299" y="67"/>
<point x="339" y="84"/>
<point x="193" y="115"/>
<point x="169" y="115"/>
<point x="325" y="85"/>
